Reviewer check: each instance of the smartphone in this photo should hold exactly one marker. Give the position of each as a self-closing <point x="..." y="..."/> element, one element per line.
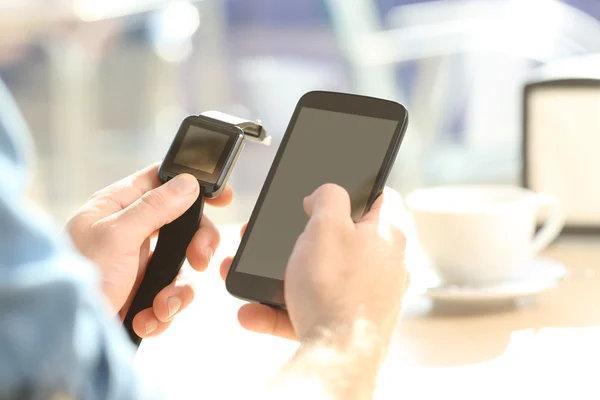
<point x="339" y="138"/>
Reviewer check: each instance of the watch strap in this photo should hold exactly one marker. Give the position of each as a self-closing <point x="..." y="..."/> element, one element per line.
<point x="165" y="262"/>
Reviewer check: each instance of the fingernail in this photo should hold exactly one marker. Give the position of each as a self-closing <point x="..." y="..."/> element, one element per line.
<point x="173" y="303"/>
<point x="208" y="253"/>
<point x="184" y="184"/>
<point x="151" y="326"/>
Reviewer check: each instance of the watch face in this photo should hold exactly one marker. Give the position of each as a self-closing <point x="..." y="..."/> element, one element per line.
<point x="203" y="147"/>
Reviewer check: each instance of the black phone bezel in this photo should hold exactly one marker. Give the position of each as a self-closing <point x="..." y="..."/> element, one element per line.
<point x="269" y="291"/>
<point x="212" y="183"/>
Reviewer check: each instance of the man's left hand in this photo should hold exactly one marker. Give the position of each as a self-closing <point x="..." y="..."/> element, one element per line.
<point x="114" y="228"/>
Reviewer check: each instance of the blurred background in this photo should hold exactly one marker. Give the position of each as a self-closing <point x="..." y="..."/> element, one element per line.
<point x="104" y="84"/>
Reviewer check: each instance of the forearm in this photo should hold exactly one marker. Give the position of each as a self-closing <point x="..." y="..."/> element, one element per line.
<point x="55" y="336"/>
<point x="335" y="364"/>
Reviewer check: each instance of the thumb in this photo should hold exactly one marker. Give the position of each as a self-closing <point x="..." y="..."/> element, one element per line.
<point x="159" y="207"/>
<point x="330" y="202"/>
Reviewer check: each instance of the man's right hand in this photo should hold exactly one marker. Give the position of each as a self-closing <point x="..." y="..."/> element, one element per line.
<point x="341" y="274"/>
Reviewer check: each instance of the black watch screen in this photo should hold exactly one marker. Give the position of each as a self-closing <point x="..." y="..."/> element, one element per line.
<point x="201" y="149"/>
<point x="206" y="148"/>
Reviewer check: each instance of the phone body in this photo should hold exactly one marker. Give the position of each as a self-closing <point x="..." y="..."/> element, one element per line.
<point x="339" y="138"/>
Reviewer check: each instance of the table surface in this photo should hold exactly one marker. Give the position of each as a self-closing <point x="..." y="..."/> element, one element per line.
<point x="548" y="347"/>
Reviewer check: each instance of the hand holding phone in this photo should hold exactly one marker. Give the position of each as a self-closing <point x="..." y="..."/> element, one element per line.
<point x="366" y="254"/>
<point x="333" y="138"/>
<point x="336" y="139"/>
<point x="343" y="273"/>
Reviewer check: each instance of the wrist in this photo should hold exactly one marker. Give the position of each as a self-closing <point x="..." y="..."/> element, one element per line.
<point x="344" y="358"/>
<point x="361" y="328"/>
<point x="360" y="338"/>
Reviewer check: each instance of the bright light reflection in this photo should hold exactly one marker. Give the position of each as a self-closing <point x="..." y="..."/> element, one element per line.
<point x="172" y="29"/>
<point x="90" y="10"/>
<point x="179" y="19"/>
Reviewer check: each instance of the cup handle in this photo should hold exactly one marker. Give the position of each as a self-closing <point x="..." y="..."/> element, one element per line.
<point x="553" y="225"/>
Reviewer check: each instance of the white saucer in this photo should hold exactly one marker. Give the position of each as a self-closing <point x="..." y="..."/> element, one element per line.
<point x="541" y="275"/>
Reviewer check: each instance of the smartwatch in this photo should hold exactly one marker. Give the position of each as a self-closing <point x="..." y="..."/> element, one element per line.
<point x="206" y="146"/>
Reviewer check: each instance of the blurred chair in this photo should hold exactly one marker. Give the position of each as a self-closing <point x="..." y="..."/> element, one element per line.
<point x="471" y="59"/>
<point x="561" y="126"/>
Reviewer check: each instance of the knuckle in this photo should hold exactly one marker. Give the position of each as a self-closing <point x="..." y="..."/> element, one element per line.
<point x="322" y="219"/>
<point x="108" y="191"/>
<point x="326" y="223"/>
<point x="216" y="235"/>
<point x="76" y="225"/>
<point x="332" y="189"/>
<point x="99" y="194"/>
<point x="109" y="233"/>
<point x="154" y="199"/>
<point x="190" y="291"/>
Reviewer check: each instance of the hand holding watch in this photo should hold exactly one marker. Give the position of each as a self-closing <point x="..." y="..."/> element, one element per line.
<point x="206" y="146"/>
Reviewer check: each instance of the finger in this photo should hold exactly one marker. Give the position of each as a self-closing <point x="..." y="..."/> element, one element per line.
<point x="157" y="207"/>
<point x="172" y="300"/>
<point x="146" y="325"/>
<point x="329" y="202"/>
<point x="203" y="245"/>
<point x="225" y="266"/>
<point x="224" y="199"/>
<point x="388" y="208"/>
<point x="226" y="263"/>
<point x="144" y="255"/>
<point x="386" y="217"/>
<point x="260" y="318"/>
<point x="375" y="208"/>
<point x="125" y="192"/>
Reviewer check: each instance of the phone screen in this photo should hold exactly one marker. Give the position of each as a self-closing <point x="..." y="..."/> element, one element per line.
<point x="323" y="147"/>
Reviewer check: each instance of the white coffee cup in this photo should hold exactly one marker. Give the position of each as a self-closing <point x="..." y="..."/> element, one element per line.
<point x="474" y="235"/>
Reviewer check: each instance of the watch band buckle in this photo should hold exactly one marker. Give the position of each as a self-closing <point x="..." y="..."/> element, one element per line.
<point x="253" y="130"/>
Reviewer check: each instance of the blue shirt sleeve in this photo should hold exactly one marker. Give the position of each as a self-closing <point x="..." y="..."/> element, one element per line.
<point x="57" y="336"/>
